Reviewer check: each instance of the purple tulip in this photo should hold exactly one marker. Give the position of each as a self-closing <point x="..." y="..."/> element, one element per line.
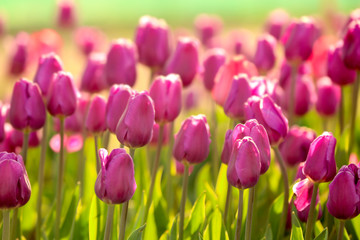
<point x="115" y="183"/>
<point x="277" y="22"/>
<point x="75" y="122"/>
<point x="49" y="64"/>
<point x="350" y="54"/>
<point x="62" y="96"/>
<point x="89" y="39"/>
<point x="2" y="123"/>
<point x="118" y="99"/>
<point x="179" y="166"/>
<point x="66" y="14"/>
<point x="155" y="136"/>
<point x="265" y="57"/>
<point x="19" y="54"/>
<point x="295" y="147"/>
<point x="185" y="60"/>
<point x="120" y="64"/>
<point x="193" y="140"/>
<point x="152" y="41"/>
<point x="207" y="27"/>
<point x="320" y="163"/>
<point x="244" y="166"/>
<point x="328" y="97"/>
<point x="336" y="69"/>
<point x="135" y="126"/>
<point x="214" y="59"/>
<point x="15" y="189"/>
<point x="344" y="194"/>
<point x="27" y="109"/>
<point x="95" y="120"/>
<point x="93" y="79"/>
<point x="285" y="72"/>
<point x="166" y="94"/>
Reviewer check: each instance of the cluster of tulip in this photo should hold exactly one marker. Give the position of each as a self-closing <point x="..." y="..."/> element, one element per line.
<point x="261" y="101"/>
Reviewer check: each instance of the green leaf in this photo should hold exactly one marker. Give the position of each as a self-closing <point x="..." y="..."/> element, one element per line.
<point x="323" y="235"/>
<point x="151" y="228"/>
<point x="70" y="215"/>
<point x="94" y="219"/>
<point x="216" y="228"/>
<point x="222" y="186"/>
<point x="174" y="228"/>
<point x="268" y="234"/>
<point x="197" y="216"/>
<point x="137" y="234"/>
<point x="275" y="214"/>
<point x="356" y="222"/>
<point x="296" y="231"/>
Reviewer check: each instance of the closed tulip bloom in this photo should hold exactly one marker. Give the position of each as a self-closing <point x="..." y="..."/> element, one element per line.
<point x="135" y="126"/>
<point x="240" y="91"/>
<point x="214" y="59"/>
<point x="19" y="54"/>
<point x="49" y="64"/>
<point x="244" y="166"/>
<point x="93" y="79"/>
<point x="185" y="60"/>
<point x="120" y="64"/>
<point x="277" y="22"/>
<point x="89" y="39"/>
<point x="299" y="38"/>
<point x="115" y="183"/>
<point x="320" y="163"/>
<point x="344" y="196"/>
<point x="265" y="57"/>
<point x="193" y="140"/>
<point x="328" y="97"/>
<point x="95" y="120"/>
<point x="295" y="147"/>
<point x="62" y="96"/>
<point x="207" y="27"/>
<point x="268" y="114"/>
<point x="155" y="136"/>
<point x="118" y="99"/>
<point x="350" y="55"/>
<point x="75" y="122"/>
<point x="166" y="91"/>
<point x="336" y="68"/>
<point x="15" y="189"/>
<point x="285" y="72"/>
<point x="27" y="109"/>
<point x="66" y="16"/>
<point x="152" y="41"/>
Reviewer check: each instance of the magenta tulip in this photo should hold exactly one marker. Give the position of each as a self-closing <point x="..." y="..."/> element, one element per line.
<point x="265" y="57"/>
<point x="214" y="59"/>
<point x="350" y="55"/>
<point x="19" y="55"/>
<point x="66" y="16"/>
<point x="328" y="97"/>
<point x="207" y="27"/>
<point x="95" y="120"/>
<point x="277" y="22"/>
<point x="93" y="79"/>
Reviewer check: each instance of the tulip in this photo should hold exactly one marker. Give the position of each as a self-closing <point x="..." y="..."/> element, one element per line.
<point x="93" y="80"/>
<point x="2" y="123"/>
<point x="180" y="168"/>
<point x="185" y="60"/>
<point x="350" y="56"/>
<point x="265" y="57"/>
<point x="239" y="43"/>
<point x="155" y="137"/>
<point x="285" y="72"/>
<point x="19" y="54"/>
<point x="207" y="27"/>
<point x="49" y="64"/>
<point x="165" y="91"/>
<point x="319" y="56"/>
<point x="89" y="39"/>
<point x="75" y="122"/>
<point x="120" y="64"/>
<point x="296" y="144"/>
<point x="214" y="59"/>
<point x="299" y="173"/>
<point x="118" y="100"/>
<point x="66" y="14"/>
<point x="277" y="22"/>
<point x="328" y="97"/>
<point x="152" y="41"/>
<point x="95" y="121"/>
<point x="27" y="109"/>
<point x="134" y="129"/>
<point x="191" y="100"/>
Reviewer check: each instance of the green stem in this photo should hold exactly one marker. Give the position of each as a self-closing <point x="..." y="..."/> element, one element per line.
<point x="249" y="213"/>
<point x="240" y="213"/>
<point x="60" y="181"/>
<point x="286" y="192"/>
<point x="312" y="213"/>
<point x="227" y="203"/>
<point x="183" y="200"/>
<point x="81" y="165"/>
<point x="354" y="100"/>
<point x="6" y="224"/>
<point x="341" y="230"/>
<point x="98" y="164"/>
<point x="325" y="124"/>
<point x="124" y="211"/>
<point x="121" y="145"/>
<point x="25" y="145"/>
<point x="41" y="178"/>
<point x="215" y="162"/>
<point x="106" y="139"/>
<point x="169" y="186"/>
<point x="341" y="111"/>
<point x="109" y="222"/>
<point x="154" y="171"/>
<point x="292" y="96"/>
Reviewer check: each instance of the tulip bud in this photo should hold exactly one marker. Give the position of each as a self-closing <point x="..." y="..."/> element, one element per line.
<point x="336" y="69"/>
<point x="15" y="187"/>
<point x="244" y="166"/>
<point x="207" y="27"/>
<point x="320" y="163"/>
<point x="165" y="91"/>
<point x="240" y="91"/>
<point x="118" y="99"/>
<point x="155" y="136"/>
<point x="27" y="109"/>
<point x="344" y="195"/>
<point x="115" y="183"/>
<point x="93" y="80"/>
<point x="95" y="120"/>
<point x="62" y="96"/>
<point x="350" y="54"/>
<point x="193" y="140"/>
<point x="120" y="64"/>
<point x="214" y="59"/>
<point x="66" y="14"/>
<point x="185" y="60"/>
<point x="20" y="54"/>
<point x="277" y="22"/>
<point x="264" y="58"/>
<point x="295" y="147"/>
<point x="268" y="114"/>
<point x="135" y="126"/>
<point x="299" y="38"/>
<point x="49" y="64"/>
<point x="152" y="41"/>
<point x="89" y="39"/>
<point x="75" y="122"/>
<point x="328" y="97"/>
<point x="285" y="72"/>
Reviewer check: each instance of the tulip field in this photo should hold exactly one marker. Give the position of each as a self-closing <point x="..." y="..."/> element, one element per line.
<point x="211" y="131"/>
